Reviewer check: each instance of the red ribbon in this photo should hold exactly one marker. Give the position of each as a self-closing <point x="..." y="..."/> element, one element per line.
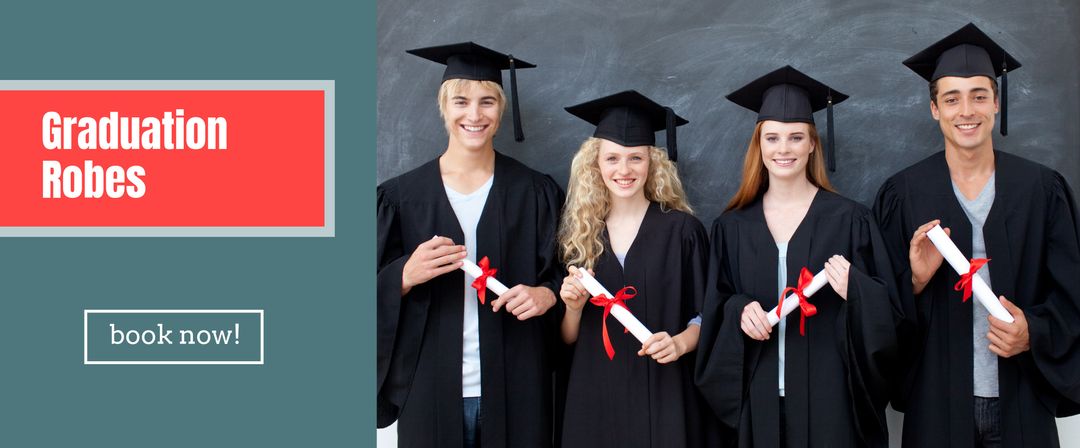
<point x="965" y="279"/>
<point x="603" y="300"/>
<point x="806" y="308"/>
<point x="480" y="284"/>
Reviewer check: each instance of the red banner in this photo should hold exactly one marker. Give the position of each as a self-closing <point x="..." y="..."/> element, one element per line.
<point x="154" y="158"/>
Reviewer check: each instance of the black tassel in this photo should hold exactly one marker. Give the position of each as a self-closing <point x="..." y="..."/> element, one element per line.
<point x="519" y="134"/>
<point x="831" y="153"/>
<point x="1004" y="98"/>
<point x="672" y="147"/>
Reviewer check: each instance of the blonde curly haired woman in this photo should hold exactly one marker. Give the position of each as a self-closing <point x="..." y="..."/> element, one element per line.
<point x="627" y="220"/>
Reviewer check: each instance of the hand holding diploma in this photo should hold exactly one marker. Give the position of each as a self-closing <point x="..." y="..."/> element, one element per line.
<point x="923" y="257"/>
<point x="807" y="286"/>
<point x="754" y="320"/>
<point x="758" y="324"/>
<point x="431" y="259"/>
<point x="613" y="304"/>
<point x="1008" y="340"/>
<point x="573" y="293"/>
<point x="485" y="278"/>
<point x="620" y="312"/>
<point x="524" y="302"/>
<point x="969" y="282"/>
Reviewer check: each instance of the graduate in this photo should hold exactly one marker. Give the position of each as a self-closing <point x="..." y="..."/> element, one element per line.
<point x="453" y="369"/>
<point x="627" y="220"/>
<point x="818" y="379"/>
<point x="970" y="379"/>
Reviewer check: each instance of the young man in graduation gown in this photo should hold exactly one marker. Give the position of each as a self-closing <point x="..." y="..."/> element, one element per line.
<point x="819" y="378"/>
<point x="628" y="220"/>
<point x="970" y="379"/>
<point x="456" y="368"/>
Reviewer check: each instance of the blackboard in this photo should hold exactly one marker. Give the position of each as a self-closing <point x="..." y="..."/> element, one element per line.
<point x="689" y="54"/>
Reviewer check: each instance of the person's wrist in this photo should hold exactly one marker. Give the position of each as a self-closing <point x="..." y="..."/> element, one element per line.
<point x="917" y="285"/>
<point x="550" y="295"/>
<point x="680" y="344"/>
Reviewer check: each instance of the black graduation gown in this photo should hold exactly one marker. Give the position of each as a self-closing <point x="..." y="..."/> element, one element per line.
<point x="836" y="376"/>
<point x="1031" y="240"/>
<point x="419" y="341"/>
<point x="631" y="400"/>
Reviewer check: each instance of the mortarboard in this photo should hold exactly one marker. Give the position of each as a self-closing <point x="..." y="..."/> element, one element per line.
<point x="965" y="53"/>
<point x="468" y="60"/>
<point x="790" y="96"/>
<point x="630" y="119"/>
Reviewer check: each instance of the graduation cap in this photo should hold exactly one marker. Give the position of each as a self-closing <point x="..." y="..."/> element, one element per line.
<point x="790" y="96"/>
<point x="468" y="60"/>
<point x="630" y="119"/>
<point x="967" y="52"/>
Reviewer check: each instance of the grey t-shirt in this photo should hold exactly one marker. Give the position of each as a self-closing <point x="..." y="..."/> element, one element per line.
<point x="985" y="371"/>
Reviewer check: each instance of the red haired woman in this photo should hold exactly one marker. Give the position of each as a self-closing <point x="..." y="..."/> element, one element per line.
<point x="817" y="379"/>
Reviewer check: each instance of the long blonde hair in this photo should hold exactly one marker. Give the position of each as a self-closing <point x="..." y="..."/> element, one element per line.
<point x="588" y="201"/>
<point x="755" y="177"/>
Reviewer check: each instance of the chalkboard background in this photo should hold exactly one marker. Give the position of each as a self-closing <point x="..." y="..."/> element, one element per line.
<point x="689" y="54"/>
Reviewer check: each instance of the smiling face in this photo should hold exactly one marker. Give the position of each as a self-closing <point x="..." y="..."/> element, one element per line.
<point x="624" y="169"/>
<point x="785" y="148"/>
<point x="965" y="109"/>
<point x="471" y="112"/>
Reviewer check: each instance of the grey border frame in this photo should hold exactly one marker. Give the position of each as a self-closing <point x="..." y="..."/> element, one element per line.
<point x="327" y="230"/>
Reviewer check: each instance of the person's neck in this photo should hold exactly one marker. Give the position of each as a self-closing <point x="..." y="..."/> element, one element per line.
<point x="458" y="160"/>
<point x="793" y="191"/>
<point x="628" y="208"/>
<point x="970" y="164"/>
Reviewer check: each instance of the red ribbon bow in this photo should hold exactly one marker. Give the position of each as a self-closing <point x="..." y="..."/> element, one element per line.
<point x="603" y="300"/>
<point x="965" y="279"/>
<point x="806" y="308"/>
<point x="481" y="282"/>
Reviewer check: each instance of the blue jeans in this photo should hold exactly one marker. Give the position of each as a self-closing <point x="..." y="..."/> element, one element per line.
<point x="987" y="423"/>
<point x="471" y="406"/>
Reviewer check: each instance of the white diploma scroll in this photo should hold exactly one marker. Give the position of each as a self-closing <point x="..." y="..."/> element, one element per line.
<point x="791" y="302"/>
<point x="620" y="313"/>
<point x="961" y="264"/>
<point x="473" y="270"/>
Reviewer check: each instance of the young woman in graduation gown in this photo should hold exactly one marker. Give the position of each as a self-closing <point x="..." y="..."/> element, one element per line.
<point x="627" y="221"/>
<point x="453" y="371"/>
<point x="816" y="379"/>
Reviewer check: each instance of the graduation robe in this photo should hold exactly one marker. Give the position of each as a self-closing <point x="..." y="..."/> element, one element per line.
<point x="419" y="343"/>
<point x="836" y="376"/>
<point x="631" y="400"/>
<point x="1031" y="240"/>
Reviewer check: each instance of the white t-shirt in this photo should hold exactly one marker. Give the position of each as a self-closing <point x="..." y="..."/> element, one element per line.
<point x="468" y="208"/>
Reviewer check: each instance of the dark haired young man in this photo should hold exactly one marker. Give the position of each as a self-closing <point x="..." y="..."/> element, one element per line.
<point x="970" y="379"/>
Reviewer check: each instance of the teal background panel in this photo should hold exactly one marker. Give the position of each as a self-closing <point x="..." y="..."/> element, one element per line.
<point x="316" y="388"/>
